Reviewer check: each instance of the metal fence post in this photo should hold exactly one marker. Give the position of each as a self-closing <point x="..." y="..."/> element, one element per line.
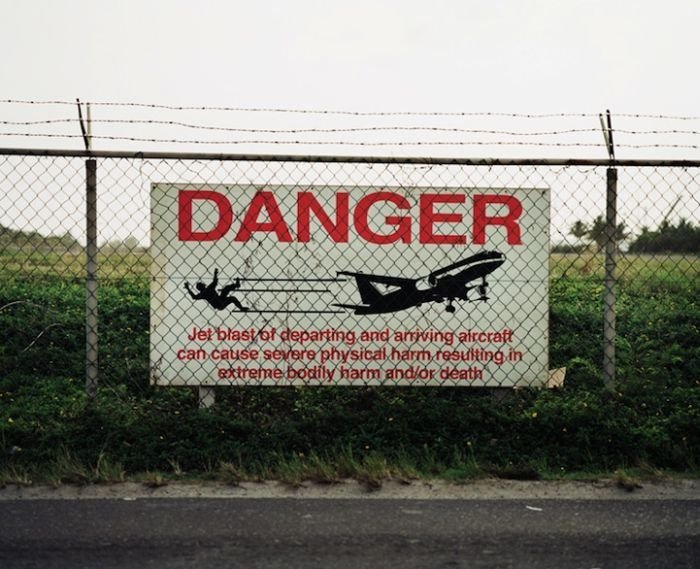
<point x="91" y="369"/>
<point x="609" y="315"/>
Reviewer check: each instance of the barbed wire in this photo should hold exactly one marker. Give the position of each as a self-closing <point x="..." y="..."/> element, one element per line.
<point x="290" y="111"/>
<point x="135" y="128"/>
<point x="353" y="143"/>
<point x="346" y="112"/>
<point x="398" y="128"/>
<point x="394" y="128"/>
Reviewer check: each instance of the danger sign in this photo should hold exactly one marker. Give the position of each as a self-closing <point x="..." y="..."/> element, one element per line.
<point x="349" y="286"/>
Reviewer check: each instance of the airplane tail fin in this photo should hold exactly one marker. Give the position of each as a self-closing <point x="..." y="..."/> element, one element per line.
<point x="368" y="292"/>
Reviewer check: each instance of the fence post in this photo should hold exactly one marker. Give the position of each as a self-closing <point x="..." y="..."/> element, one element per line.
<point x="609" y="316"/>
<point x="91" y="369"/>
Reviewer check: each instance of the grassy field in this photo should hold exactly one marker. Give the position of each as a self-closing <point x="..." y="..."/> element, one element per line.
<point x="49" y="432"/>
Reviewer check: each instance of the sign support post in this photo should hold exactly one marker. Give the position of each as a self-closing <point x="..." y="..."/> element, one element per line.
<point x="207" y="396"/>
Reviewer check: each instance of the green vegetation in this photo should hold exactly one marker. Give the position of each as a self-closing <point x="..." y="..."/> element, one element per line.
<point x="14" y="240"/>
<point x="594" y="232"/>
<point x="49" y="432"/>
<point x="681" y="238"/>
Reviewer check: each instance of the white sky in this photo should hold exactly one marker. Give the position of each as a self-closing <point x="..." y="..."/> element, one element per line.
<point x="523" y="56"/>
<point x="488" y="56"/>
<point x="513" y="55"/>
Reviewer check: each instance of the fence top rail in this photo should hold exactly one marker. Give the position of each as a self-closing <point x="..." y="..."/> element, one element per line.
<point x="415" y="160"/>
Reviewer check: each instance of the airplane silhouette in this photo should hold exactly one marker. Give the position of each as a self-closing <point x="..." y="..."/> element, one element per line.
<point x="442" y="284"/>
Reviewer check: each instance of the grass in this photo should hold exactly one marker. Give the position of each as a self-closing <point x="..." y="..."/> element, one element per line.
<point x="626" y="481"/>
<point x="49" y="432"/>
<point x="64" y="468"/>
<point x="153" y="479"/>
<point x="296" y="471"/>
<point x="230" y="474"/>
<point x="70" y="267"/>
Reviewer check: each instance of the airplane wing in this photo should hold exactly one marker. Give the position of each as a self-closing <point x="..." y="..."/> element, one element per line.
<point x="369" y="293"/>
<point x="387" y="280"/>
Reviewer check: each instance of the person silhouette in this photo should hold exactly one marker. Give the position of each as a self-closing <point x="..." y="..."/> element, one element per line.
<point x="219" y="300"/>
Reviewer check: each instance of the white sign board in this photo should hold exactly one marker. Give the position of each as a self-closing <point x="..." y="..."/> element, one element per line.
<point x="275" y="285"/>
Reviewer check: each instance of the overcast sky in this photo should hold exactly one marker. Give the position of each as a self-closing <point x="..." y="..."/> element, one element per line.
<point x="522" y="56"/>
<point x="488" y="56"/>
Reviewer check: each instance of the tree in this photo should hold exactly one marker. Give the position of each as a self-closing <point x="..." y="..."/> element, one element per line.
<point x="130" y="244"/>
<point x="667" y="238"/>
<point x="595" y="231"/>
<point x="579" y="229"/>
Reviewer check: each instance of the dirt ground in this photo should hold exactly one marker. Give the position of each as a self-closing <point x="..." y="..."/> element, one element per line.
<point x="414" y="490"/>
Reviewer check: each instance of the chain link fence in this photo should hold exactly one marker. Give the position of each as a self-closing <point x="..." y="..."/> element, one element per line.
<point x="294" y="276"/>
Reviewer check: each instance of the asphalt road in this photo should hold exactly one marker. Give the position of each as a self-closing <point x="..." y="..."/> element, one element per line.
<point x="339" y="534"/>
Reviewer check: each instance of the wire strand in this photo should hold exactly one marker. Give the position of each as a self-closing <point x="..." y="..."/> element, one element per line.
<point x="397" y="128"/>
<point x="354" y="143"/>
<point x="345" y="112"/>
<point x="393" y="128"/>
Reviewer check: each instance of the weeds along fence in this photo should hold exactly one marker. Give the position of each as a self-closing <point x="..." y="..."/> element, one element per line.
<point x="80" y="272"/>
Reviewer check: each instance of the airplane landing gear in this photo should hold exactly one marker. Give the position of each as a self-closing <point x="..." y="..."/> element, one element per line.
<point x="481" y="289"/>
<point x="450" y="307"/>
